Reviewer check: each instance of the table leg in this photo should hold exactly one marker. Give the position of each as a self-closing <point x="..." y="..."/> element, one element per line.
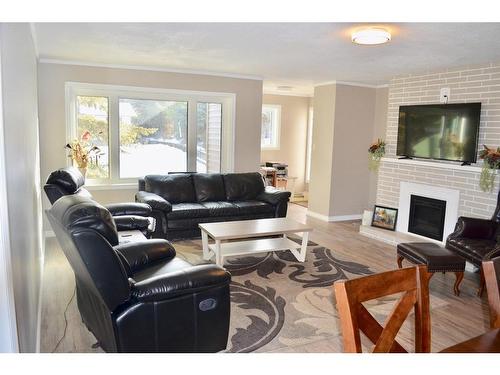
<point x="204" y="241"/>
<point x="218" y="256"/>
<point x="301" y="255"/>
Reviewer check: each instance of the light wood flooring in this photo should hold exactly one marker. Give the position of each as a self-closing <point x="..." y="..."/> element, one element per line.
<point x="456" y="320"/>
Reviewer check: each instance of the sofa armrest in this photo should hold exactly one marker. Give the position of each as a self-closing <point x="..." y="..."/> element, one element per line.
<point x="153" y="200"/>
<point x="141" y="254"/>
<point x="274" y="196"/>
<point x="468" y="227"/>
<point x="174" y="284"/>
<point x="129" y="208"/>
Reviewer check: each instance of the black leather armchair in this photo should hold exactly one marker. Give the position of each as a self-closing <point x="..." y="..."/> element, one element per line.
<point x="139" y="297"/>
<point x="128" y="216"/>
<point x="476" y="240"/>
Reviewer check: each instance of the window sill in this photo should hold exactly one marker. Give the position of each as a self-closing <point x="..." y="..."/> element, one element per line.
<point x="117" y="186"/>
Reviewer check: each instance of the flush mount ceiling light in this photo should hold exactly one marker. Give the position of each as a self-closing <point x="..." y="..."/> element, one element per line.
<point x="371" y="36"/>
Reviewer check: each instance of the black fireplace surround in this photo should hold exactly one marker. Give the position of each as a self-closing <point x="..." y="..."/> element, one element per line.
<point x="427" y="217"/>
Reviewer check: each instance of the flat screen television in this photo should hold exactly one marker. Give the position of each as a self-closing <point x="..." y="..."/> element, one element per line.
<point x="439" y="131"/>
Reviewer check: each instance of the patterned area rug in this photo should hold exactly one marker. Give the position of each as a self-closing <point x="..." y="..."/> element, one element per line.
<point x="277" y="301"/>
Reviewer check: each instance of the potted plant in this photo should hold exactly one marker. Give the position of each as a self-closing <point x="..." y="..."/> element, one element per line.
<point x="491" y="163"/>
<point x="375" y="153"/>
<point x="83" y="152"/>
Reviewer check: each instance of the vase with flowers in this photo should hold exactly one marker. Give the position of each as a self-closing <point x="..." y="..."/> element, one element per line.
<point x="83" y="152"/>
<point x="491" y="163"/>
<point x="375" y="153"/>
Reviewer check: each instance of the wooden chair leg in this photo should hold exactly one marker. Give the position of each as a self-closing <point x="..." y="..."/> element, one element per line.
<point x="400" y="261"/>
<point x="481" y="284"/>
<point x="459" y="278"/>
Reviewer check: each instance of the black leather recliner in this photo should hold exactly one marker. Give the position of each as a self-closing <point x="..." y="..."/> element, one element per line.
<point x="182" y="201"/>
<point x="128" y="216"/>
<point x="476" y="240"/>
<point x="139" y="297"/>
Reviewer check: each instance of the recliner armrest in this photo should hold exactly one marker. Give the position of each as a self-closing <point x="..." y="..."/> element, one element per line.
<point x="129" y="208"/>
<point x="469" y="227"/>
<point x="274" y="196"/>
<point x="141" y="254"/>
<point x="191" y="280"/>
<point x="132" y="222"/>
<point x="154" y="200"/>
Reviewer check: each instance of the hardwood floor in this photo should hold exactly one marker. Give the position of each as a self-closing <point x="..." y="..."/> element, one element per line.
<point x="454" y="320"/>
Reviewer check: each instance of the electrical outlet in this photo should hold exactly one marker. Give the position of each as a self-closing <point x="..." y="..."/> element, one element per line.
<point x="444" y="95"/>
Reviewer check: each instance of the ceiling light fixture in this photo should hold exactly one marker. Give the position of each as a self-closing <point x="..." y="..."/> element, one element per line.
<point x="371" y="36"/>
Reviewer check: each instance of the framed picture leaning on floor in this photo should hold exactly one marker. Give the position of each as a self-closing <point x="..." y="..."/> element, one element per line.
<point x="385" y="217"/>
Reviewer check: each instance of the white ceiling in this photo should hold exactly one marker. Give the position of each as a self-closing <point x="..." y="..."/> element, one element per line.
<point x="300" y="55"/>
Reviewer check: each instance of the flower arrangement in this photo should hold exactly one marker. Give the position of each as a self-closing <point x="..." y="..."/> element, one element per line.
<point x="82" y="152"/>
<point x="491" y="163"/>
<point x="375" y="153"/>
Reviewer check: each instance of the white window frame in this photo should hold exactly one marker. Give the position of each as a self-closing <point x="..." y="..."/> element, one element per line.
<point x="115" y="92"/>
<point x="277" y="129"/>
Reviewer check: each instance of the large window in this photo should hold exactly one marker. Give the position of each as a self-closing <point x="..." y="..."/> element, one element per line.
<point x="270" y="134"/>
<point x="149" y="131"/>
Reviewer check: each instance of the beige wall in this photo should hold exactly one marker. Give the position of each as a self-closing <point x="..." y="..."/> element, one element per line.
<point x="293" y="136"/>
<point x="22" y="170"/>
<point x="322" y="149"/>
<point x="379" y="128"/>
<point x="354" y="122"/>
<point x="52" y="78"/>
<point x="346" y="119"/>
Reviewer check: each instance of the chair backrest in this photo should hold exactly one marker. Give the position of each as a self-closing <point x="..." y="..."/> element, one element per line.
<point x="491" y="270"/>
<point x="354" y="317"/>
<point x="86" y="232"/>
<point x="65" y="181"/>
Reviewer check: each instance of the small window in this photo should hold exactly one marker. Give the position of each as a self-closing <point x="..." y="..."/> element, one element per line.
<point x="271" y="118"/>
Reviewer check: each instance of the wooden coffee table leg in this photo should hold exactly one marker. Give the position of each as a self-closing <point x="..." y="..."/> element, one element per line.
<point x="400" y="261"/>
<point x="218" y="256"/>
<point x="204" y="241"/>
<point x="459" y="278"/>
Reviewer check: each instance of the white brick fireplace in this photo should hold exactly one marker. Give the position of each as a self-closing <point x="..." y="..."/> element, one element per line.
<point x="467" y="84"/>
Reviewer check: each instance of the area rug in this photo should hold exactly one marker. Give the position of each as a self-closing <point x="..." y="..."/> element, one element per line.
<point x="277" y="301"/>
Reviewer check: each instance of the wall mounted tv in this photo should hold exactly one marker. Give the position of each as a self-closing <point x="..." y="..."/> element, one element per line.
<point x="439" y="131"/>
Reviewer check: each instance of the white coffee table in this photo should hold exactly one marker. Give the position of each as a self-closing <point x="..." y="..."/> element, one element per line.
<point x="249" y="230"/>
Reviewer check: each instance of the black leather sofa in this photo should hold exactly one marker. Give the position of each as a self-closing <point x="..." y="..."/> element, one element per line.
<point x="181" y="201"/>
<point x="476" y="240"/>
<point x="128" y="216"/>
<point x="138" y="296"/>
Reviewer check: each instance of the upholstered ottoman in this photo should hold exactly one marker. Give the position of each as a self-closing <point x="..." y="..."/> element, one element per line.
<point x="435" y="257"/>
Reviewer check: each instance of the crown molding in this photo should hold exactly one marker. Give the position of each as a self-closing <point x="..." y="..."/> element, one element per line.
<point x="285" y="93"/>
<point x="348" y="83"/>
<point x="149" y="68"/>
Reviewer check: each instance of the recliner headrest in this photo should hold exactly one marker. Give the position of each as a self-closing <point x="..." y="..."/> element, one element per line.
<point x="75" y="211"/>
<point x="69" y="178"/>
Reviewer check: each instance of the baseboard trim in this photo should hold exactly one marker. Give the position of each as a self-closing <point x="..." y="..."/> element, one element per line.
<point x="334" y="218"/>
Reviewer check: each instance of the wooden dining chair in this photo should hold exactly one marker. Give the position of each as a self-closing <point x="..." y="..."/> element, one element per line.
<point x="354" y="317"/>
<point x="491" y="270"/>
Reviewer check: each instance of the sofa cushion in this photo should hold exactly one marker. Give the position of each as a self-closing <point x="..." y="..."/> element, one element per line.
<point x="253" y="207"/>
<point x="209" y="187"/>
<point x="243" y="186"/>
<point x="220" y="208"/>
<point x="187" y="211"/>
<point x="175" y="188"/>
